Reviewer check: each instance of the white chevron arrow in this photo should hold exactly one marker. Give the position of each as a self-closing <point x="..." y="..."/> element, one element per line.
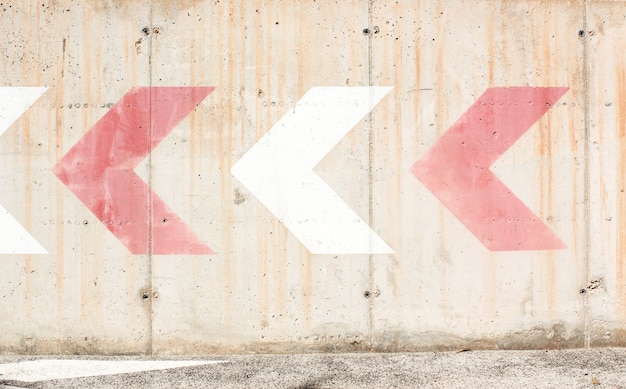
<point x="14" y="239"/>
<point x="278" y="170"/>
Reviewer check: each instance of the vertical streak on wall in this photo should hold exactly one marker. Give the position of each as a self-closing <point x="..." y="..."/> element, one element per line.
<point x="28" y="194"/>
<point x="229" y="50"/>
<point x="148" y="288"/>
<point x="548" y="144"/>
<point x="28" y="271"/>
<point x="620" y="254"/>
<point x="442" y="122"/>
<point x="226" y="158"/>
<point x="370" y="173"/>
<point x="260" y="46"/>
<point x="280" y="236"/>
<point x="59" y="151"/>
<point x="27" y="143"/>
<point x="587" y="179"/>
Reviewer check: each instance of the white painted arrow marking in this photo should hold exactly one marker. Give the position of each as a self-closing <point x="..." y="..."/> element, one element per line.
<point x="278" y="170"/>
<point x="54" y="369"/>
<point x="14" y="239"/>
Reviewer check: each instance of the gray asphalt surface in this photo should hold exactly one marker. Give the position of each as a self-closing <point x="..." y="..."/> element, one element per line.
<point x="588" y="368"/>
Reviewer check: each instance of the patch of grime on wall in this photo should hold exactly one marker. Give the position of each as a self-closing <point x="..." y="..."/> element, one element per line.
<point x="76" y="345"/>
<point x="605" y="334"/>
<point x="555" y="336"/>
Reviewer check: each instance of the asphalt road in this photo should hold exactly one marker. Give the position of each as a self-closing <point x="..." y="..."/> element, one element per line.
<point x="588" y="368"/>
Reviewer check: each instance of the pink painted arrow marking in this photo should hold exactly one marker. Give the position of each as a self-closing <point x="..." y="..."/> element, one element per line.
<point x="456" y="169"/>
<point x="99" y="170"/>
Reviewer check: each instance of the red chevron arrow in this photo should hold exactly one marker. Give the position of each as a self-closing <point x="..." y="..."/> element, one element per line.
<point x="99" y="170"/>
<point x="456" y="169"/>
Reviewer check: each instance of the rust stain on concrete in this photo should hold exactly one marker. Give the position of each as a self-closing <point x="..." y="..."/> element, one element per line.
<point x="620" y="253"/>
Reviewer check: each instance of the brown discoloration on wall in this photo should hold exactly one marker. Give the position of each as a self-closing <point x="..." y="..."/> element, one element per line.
<point x="620" y="250"/>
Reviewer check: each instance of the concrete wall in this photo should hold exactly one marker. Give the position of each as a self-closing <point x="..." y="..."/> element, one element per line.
<point x="310" y="200"/>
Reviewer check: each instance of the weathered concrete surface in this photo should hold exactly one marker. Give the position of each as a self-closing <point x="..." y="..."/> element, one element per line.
<point x="85" y="296"/>
<point x="607" y="158"/>
<point x="443" y="288"/>
<point x="585" y="368"/>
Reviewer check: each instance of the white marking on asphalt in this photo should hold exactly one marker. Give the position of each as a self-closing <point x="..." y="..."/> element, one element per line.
<point x="54" y="369"/>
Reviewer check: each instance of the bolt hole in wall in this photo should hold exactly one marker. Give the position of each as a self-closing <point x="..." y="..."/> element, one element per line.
<point x="155" y="30"/>
<point x="375" y="30"/>
<point x="582" y="33"/>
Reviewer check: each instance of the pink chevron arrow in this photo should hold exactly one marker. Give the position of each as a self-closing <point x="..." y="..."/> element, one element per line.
<point x="99" y="169"/>
<point x="456" y="169"/>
